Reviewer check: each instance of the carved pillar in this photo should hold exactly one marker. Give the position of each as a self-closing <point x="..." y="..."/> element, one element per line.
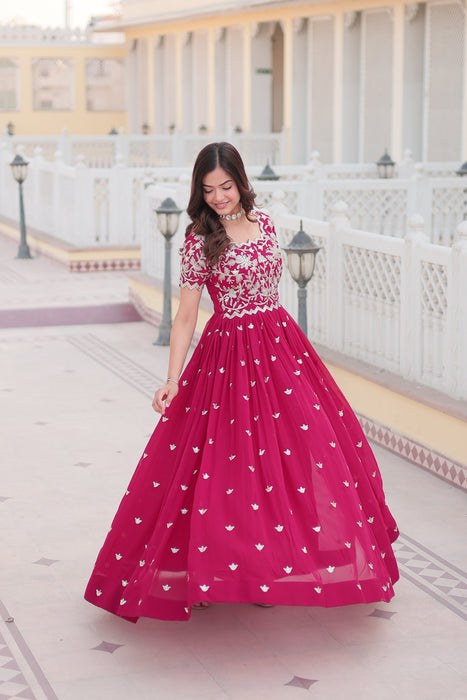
<point x="287" y="28"/>
<point x="179" y="40"/>
<point x="338" y="85"/>
<point x="246" y="77"/>
<point x="464" y="96"/>
<point x="397" y="82"/>
<point x="150" y="87"/>
<point x="211" y="50"/>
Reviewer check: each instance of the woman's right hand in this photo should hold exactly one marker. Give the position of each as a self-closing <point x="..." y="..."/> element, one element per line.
<point x="164" y="396"/>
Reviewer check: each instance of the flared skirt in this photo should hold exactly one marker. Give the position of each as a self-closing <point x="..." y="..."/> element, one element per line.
<point x="257" y="486"/>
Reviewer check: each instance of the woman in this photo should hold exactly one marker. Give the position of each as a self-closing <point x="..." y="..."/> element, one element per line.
<point x="258" y="485"/>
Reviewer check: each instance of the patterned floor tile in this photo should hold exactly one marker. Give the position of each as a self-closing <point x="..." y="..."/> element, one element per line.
<point x="437" y="577"/>
<point x="20" y="674"/>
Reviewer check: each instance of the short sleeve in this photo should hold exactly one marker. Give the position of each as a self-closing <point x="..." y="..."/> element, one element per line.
<point x="194" y="269"/>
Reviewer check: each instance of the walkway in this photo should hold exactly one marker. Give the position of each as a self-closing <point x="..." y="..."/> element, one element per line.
<point x="76" y="414"/>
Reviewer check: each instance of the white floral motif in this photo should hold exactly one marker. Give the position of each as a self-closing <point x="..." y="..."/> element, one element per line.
<point x="244" y="280"/>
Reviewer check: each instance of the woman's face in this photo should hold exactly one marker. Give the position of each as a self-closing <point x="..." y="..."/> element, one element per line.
<point x="221" y="193"/>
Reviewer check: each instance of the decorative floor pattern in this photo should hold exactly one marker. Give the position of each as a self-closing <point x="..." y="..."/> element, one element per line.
<point x="102" y="265"/>
<point x="20" y="674"/>
<point x="434" y="575"/>
<point x="422" y="567"/>
<point x="422" y="456"/>
<point x="133" y="374"/>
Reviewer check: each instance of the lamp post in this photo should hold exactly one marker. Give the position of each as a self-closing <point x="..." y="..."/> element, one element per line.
<point x="301" y="258"/>
<point x="168" y="215"/>
<point x="385" y="166"/>
<point x="19" y="168"/>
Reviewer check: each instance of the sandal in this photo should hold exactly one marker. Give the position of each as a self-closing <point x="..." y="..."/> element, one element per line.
<point x="202" y="605"/>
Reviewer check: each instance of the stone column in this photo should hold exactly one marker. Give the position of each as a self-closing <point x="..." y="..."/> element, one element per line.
<point x="246" y="77"/>
<point x="464" y="94"/>
<point x="211" y="79"/>
<point x="397" y="81"/>
<point x="338" y="85"/>
<point x="287" y="28"/>
<point x="150" y="87"/>
<point x="179" y="37"/>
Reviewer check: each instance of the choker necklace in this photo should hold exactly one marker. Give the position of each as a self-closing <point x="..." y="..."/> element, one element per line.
<point x="232" y="217"/>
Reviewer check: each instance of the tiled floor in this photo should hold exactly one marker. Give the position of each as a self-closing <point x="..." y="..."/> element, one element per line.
<point x="75" y="415"/>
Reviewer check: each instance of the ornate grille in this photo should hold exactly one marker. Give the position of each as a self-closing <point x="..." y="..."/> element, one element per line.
<point x="375" y="210"/>
<point x="372" y="274"/>
<point x="265" y="199"/>
<point x="449" y="208"/>
<point x="434" y="280"/>
<point x="97" y="153"/>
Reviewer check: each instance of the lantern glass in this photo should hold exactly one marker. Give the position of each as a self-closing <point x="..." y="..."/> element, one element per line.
<point x="385" y="170"/>
<point x="301" y="265"/>
<point x="168" y="215"/>
<point x="385" y="166"/>
<point x="308" y="266"/>
<point x="19" y="168"/>
<point x="171" y="223"/>
<point x="294" y="263"/>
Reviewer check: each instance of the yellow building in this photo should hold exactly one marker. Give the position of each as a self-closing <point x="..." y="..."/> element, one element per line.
<point x="55" y="78"/>
<point x="348" y="78"/>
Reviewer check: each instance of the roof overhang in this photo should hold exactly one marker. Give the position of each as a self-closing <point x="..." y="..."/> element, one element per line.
<point x="216" y="9"/>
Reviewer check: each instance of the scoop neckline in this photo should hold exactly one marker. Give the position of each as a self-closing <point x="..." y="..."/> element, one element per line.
<point x="249" y="241"/>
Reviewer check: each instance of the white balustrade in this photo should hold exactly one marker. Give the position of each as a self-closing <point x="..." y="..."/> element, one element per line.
<point x="114" y="193"/>
<point x="157" y="151"/>
<point x="397" y="303"/>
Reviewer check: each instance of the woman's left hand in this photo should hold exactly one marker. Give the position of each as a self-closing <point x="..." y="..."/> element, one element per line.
<point x="164" y="396"/>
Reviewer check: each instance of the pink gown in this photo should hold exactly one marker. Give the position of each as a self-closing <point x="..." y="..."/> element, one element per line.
<point x="258" y="485"/>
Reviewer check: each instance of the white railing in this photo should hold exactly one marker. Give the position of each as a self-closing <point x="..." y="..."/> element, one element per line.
<point x="107" y="201"/>
<point x="82" y="206"/>
<point x="29" y="34"/>
<point x="155" y="151"/>
<point x="398" y="304"/>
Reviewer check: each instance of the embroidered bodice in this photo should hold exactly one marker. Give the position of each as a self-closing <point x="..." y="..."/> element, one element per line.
<point x="245" y="279"/>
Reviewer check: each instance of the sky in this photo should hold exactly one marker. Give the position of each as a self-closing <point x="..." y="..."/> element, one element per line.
<point x="51" y="13"/>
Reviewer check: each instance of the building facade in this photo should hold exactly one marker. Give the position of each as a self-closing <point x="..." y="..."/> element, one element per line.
<point x="56" y="78"/>
<point x="348" y="79"/>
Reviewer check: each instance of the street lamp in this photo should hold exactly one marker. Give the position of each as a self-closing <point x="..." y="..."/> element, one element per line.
<point x="19" y="168"/>
<point x="301" y="259"/>
<point x="168" y="216"/>
<point x="268" y="173"/>
<point x="385" y="166"/>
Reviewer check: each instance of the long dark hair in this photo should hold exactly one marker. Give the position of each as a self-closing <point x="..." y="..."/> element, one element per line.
<point x="204" y="220"/>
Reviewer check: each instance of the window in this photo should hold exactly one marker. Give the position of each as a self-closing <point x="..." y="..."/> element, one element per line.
<point x="105" y="84"/>
<point x="9" y="80"/>
<point x="52" y="84"/>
